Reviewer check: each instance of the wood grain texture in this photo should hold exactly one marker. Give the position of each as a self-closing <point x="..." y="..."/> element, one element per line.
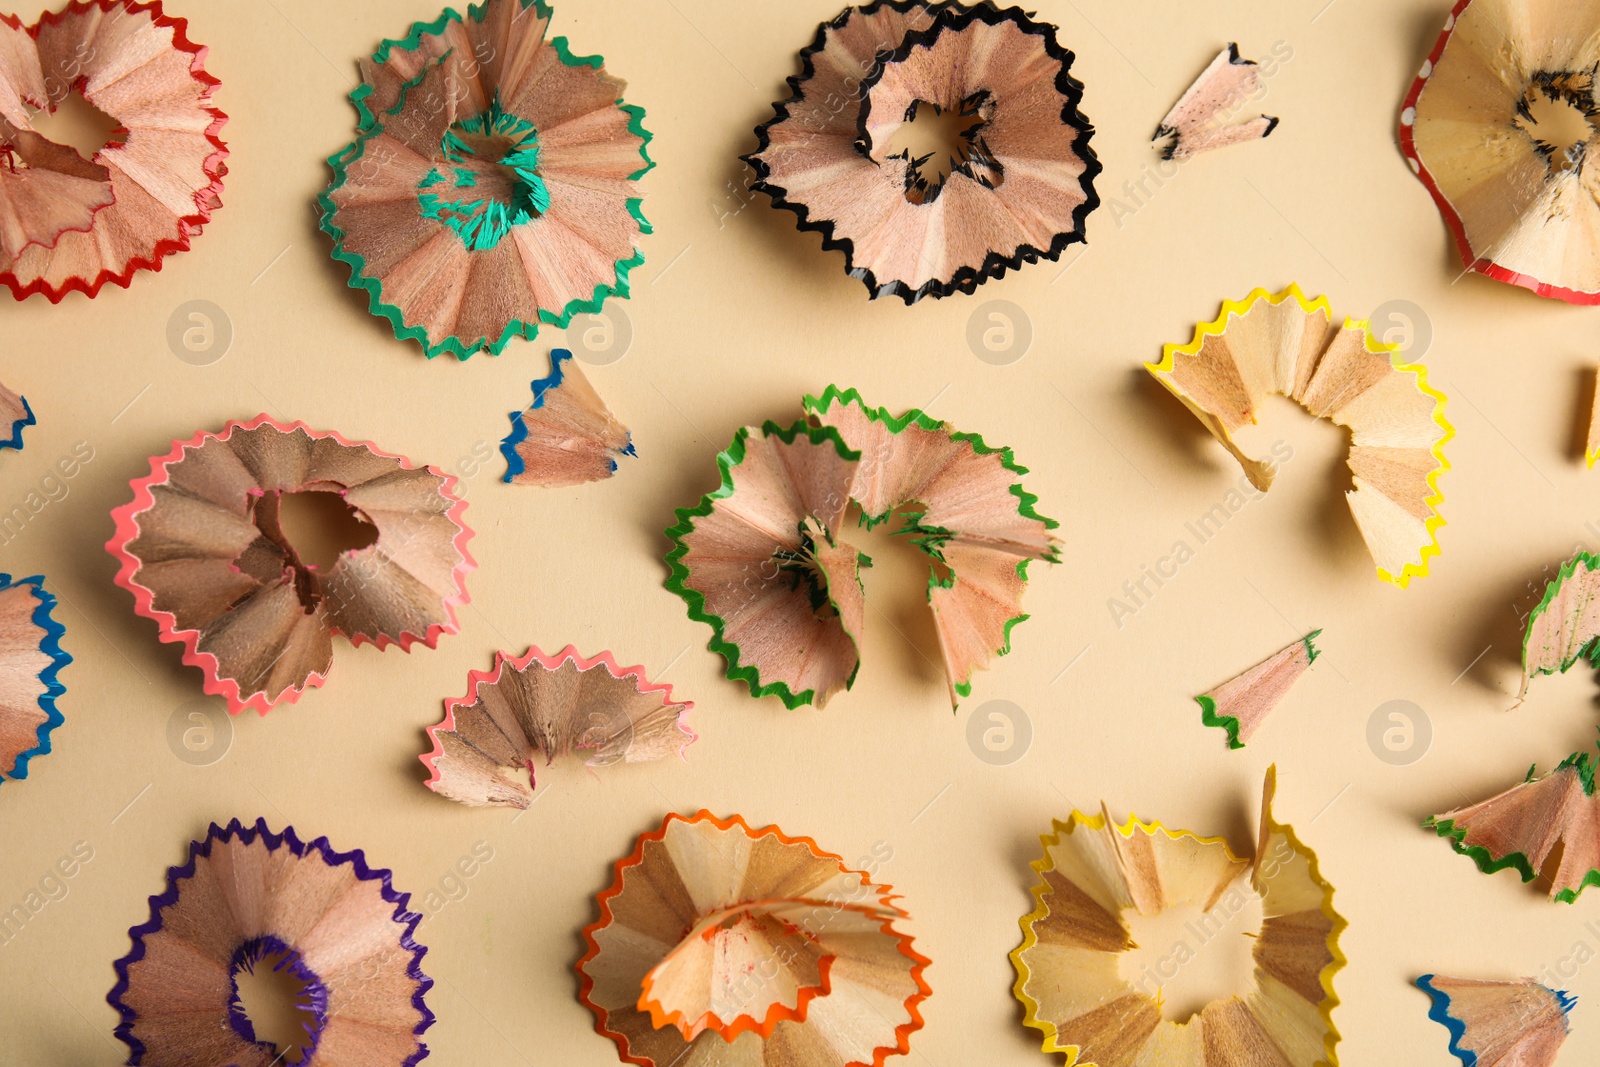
<point x="1284" y="343"/>
<point x="27" y="675"/>
<point x="1499" y="1023"/>
<point x="245" y="891"/>
<point x="1204" y="117"/>
<point x="202" y="551"/>
<point x="72" y="224"/>
<point x="548" y="265"/>
<point x="543" y="707"/>
<point x="567" y="435"/>
<point x="1096" y="870"/>
<point x="1021" y="191"/>
<point x="718" y="943"/>
<point x="1524" y="209"/>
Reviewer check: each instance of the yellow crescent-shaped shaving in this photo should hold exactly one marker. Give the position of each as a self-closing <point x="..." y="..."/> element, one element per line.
<point x="1285" y="343"/>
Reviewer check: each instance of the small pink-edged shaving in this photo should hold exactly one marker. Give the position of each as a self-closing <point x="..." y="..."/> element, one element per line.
<point x="551" y="706"/>
<point x="203" y="553"/>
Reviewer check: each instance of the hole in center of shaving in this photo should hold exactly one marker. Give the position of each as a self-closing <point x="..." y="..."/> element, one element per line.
<point x="937" y="143"/>
<point x="801" y="567"/>
<point x="1190" y="958"/>
<point x="486" y="181"/>
<point x="904" y="560"/>
<point x="77" y="124"/>
<point x="1557" y="112"/>
<point x="321" y="527"/>
<point x="277" y="1000"/>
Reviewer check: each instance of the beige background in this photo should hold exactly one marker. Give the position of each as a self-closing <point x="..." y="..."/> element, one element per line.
<point x="734" y="316"/>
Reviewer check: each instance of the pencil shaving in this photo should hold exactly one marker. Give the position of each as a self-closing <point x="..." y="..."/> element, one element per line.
<point x="247" y="897"/>
<point x="1094" y="871"/>
<point x="567" y="436"/>
<point x="203" y="552"/>
<point x="1284" y="343"/>
<point x="1241" y="704"/>
<point x="1500" y="127"/>
<point x="70" y="224"/>
<point x="1204" y="118"/>
<point x="1021" y="178"/>
<point x="31" y="660"/>
<point x="1517" y="1023"/>
<point x="1565" y="625"/>
<point x="538" y="706"/>
<point x="762" y="560"/>
<point x="493" y="183"/>
<point x="15" y="416"/>
<point x="719" y="943"/>
<point x="1591" y="448"/>
<point x="1522" y="827"/>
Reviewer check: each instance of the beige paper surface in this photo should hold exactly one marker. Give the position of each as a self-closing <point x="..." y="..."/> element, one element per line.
<point x="735" y="315"/>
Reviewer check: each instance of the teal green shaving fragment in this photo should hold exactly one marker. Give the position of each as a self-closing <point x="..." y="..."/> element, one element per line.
<point x="483" y="223"/>
<point x="488" y="182"/>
